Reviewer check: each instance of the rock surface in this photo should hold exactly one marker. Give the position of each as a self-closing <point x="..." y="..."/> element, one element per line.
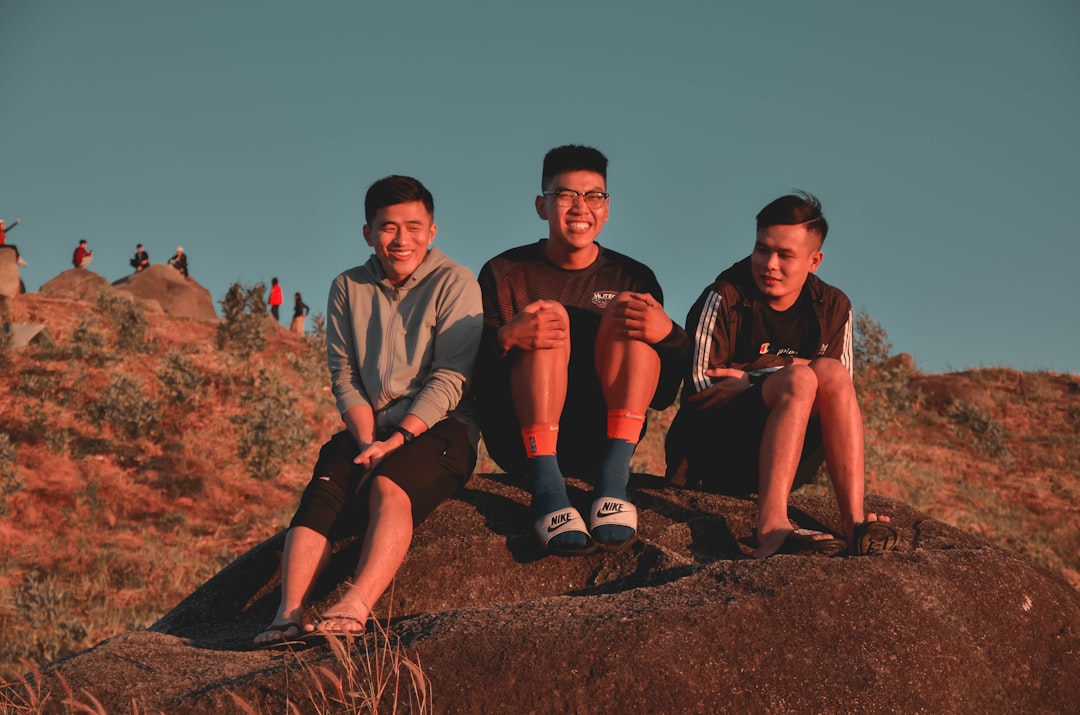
<point x="162" y="287"/>
<point x="75" y="284"/>
<point x="685" y="621"/>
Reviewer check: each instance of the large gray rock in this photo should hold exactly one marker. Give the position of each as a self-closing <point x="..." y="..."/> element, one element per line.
<point x="164" y="286"/>
<point x="76" y="284"/>
<point x="10" y="284"/>
<point x="685" y="621"/>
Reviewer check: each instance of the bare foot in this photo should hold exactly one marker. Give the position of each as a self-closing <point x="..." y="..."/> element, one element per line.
<point x="339" y="623"/>
<point x="770" y="542"/>
<point x="280" y="633"/>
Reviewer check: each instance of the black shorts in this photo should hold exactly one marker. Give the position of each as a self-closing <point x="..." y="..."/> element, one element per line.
<point x="722" y="446"/>
<point x="430" y="469"/>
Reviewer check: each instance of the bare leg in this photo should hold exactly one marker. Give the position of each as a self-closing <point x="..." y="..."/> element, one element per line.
<point x="538" y="385"/>
<point x="842" y="432"/>
<point x="628" y="369"/>
<point x="386" y="541"/>
<point x="306" y="554"/>
<point x="789" y="394"/>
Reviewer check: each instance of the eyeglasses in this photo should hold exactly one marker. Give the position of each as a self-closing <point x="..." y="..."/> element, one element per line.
<point x="567" y="198"/>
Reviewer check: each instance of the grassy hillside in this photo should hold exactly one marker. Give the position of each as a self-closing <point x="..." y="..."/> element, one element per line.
<point x="140" y="454"/>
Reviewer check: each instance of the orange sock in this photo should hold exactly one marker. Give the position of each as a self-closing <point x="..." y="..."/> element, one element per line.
<point x="540" y="439"/>
<point x="625" y="425"/>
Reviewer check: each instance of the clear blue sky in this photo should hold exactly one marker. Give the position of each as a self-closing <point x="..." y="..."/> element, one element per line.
<point x="942" y="137"/>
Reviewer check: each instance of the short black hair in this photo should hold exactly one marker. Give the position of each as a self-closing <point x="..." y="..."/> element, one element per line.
<point x="393" y="190"/>
<point x="572" y="157"/>
<point x="798" y="207"/>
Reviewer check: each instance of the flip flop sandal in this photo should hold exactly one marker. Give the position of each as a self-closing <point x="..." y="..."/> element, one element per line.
<point x="802" y="542"/>
<point x="282" y="640"/>
<point x="563" y="521"/>
<point x="617" y="512"/>
<point x="874" y="537"/>
<point x="339" y="617"/>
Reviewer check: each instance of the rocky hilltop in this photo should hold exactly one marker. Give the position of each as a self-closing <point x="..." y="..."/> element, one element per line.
<point x="685" y="621"/>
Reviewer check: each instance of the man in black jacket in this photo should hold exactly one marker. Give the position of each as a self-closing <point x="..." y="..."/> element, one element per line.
<point x="770" y="387"/>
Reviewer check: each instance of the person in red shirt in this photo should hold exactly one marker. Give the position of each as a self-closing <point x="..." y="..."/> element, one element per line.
<point x="276" y="298"/>
<point x="82" y="256"/>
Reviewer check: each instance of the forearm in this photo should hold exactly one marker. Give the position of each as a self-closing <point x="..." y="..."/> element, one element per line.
<point x="360" y="421"/>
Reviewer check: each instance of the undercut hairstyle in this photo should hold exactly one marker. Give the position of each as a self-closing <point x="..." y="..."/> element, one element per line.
<point x="795" y="209"/>
<point x="396" y="190"/>
<point x="572" y="157"/>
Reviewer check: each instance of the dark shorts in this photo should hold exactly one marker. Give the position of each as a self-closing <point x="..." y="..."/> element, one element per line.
<point x="721" y="447"/>
<point x="430" y="469"/>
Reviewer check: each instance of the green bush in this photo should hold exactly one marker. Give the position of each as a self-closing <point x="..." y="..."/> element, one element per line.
<point x="271" y="431"/>
<point x="244" y="311"/>
<point x="988" y="433"/>
<point x="180" y="378"/>
<point x="311" y="363"/>
<point x="124" y="407"/>
<point x="127" y="320"/>
<point x="88" y="342"/>
<point x="43" y="604"/>
<point x="10" y="482"/>
<point x="882" y="382"/>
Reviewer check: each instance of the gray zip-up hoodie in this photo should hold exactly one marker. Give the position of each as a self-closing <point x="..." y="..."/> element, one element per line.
<point x="403" y="350"/>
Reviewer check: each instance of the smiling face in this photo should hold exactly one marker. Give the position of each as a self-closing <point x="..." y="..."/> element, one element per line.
<point x="783" y="256"/>
<point x="572" y="230"/>
<point x="401" y="235"/>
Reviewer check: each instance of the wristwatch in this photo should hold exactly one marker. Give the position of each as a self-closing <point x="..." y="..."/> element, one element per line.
<point x="405" y="434"/>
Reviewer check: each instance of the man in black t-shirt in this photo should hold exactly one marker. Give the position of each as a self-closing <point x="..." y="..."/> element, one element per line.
<point x="576" y="348"/>
<point x="770" y="387"/>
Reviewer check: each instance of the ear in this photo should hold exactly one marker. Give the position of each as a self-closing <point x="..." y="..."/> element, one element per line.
<point x="431" y="235"/>
<point x="815" y="261"/>
<point x="367" y="235"/>
<point x="541" y="207"/>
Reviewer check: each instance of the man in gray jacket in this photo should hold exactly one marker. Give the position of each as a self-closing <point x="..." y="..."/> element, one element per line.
<point x="402" y="334"/>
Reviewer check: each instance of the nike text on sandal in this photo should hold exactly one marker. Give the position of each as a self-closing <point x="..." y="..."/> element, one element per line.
<point x="616" y="512"/>
<point x="563" y="521"/>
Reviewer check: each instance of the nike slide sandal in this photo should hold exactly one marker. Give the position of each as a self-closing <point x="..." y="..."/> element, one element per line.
<point x="617" y="512"/>
<point x="563" y="521"/>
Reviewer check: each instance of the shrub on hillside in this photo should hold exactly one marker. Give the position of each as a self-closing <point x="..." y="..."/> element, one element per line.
<point x="88" y="342"/>
<point x="244" y="311"/>
<point x="883" y="383"/>
<point x="271" y="430"/>
<point x="127" y="320"/>
<point x="311" y="363"/>
<point x="126" y="408"/>
<point x="10" y="483"/>
<point x="988" y="433"/>
<point x="180" y="378"/>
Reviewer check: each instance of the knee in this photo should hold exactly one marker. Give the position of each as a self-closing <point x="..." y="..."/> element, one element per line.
<point x="798" y="382"/>
<point x="831" y="375"/>
<point x="387" y="495"/>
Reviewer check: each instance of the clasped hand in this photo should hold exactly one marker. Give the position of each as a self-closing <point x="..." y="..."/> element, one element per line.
<point x="639" y="316"/>
<point x="538" y="326"/>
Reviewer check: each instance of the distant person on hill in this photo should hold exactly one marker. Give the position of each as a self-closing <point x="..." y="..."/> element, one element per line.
<point x="3" y="241"/>
<point x="300" y="311"/>
<point x="770" y="387"/>
<point x="276" y="299"/>
<point x="179" y="261"/>
<point x="82" y="256"/>
<point x="577" y="347"/>
<point x="402" y="332"/>
<point x="141" y="259"/>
